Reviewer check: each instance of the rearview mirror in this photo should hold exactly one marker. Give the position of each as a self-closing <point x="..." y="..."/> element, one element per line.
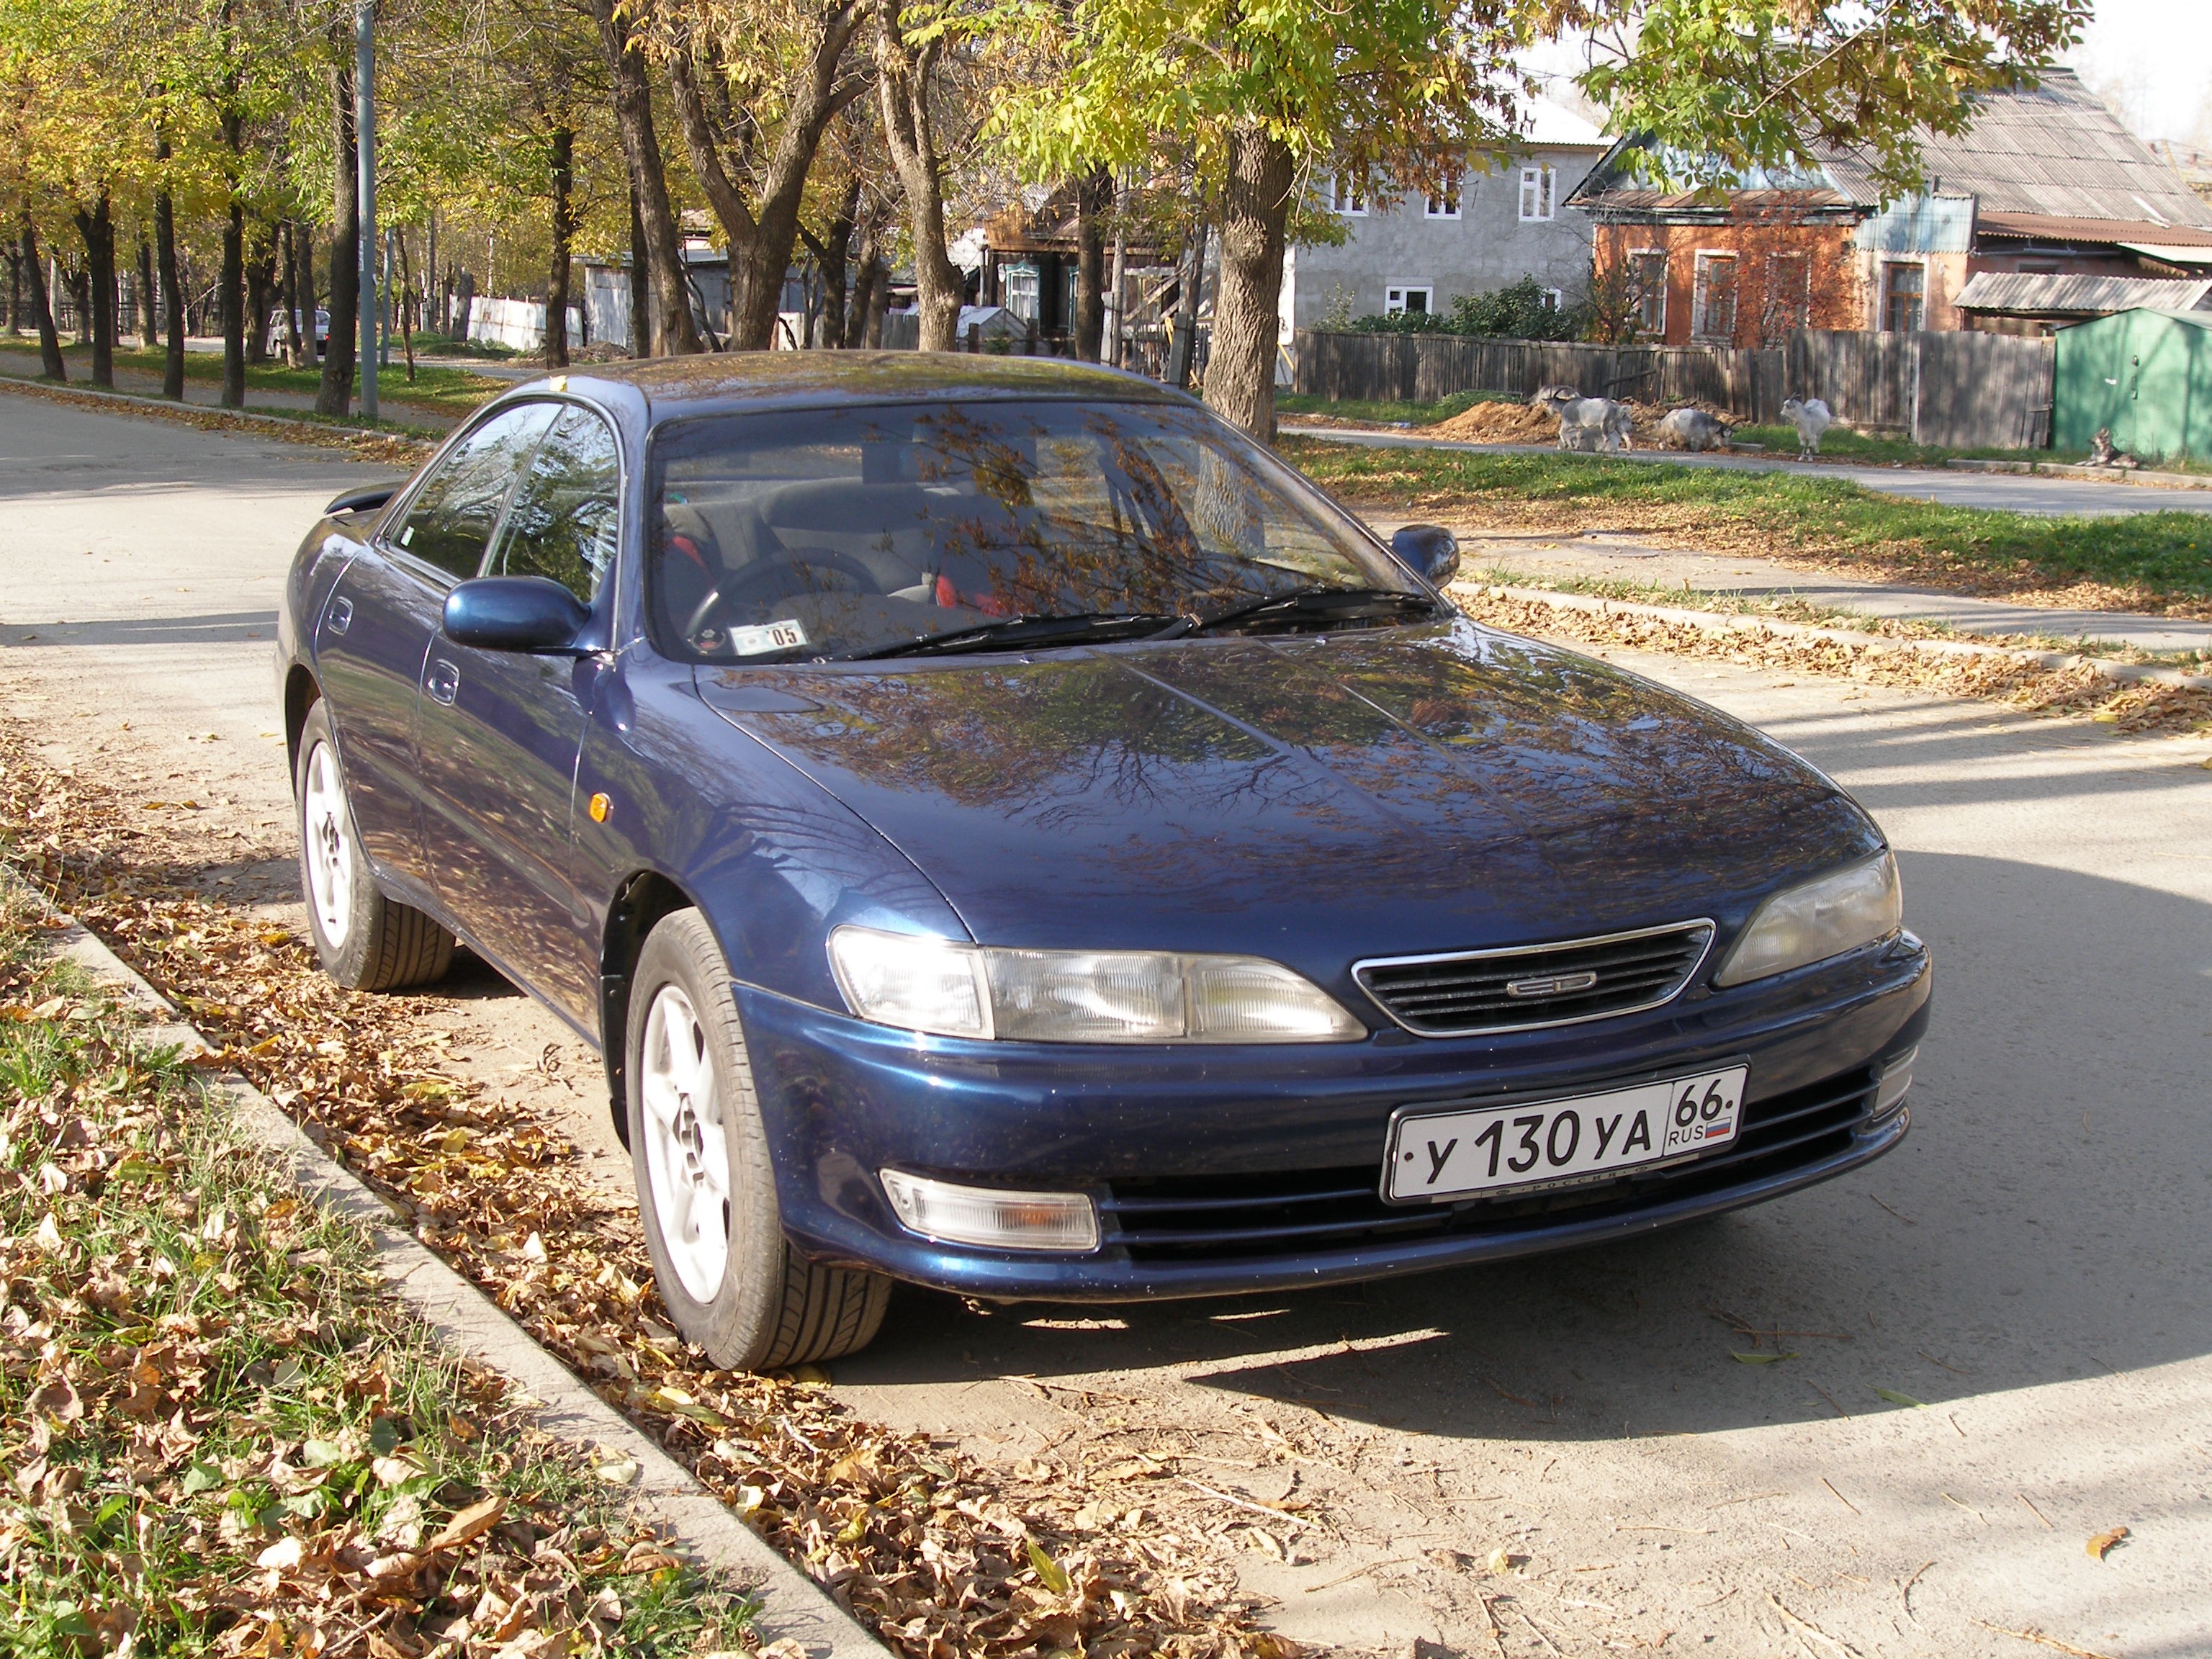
<point x="514" y="613"/>
<point x="1430" y="549"/>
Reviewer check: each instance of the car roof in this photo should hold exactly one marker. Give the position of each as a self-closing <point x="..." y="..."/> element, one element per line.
<point x="747" y="381"/>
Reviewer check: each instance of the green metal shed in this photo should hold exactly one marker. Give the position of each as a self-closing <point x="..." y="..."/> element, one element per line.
<point x="2145" y="373"/>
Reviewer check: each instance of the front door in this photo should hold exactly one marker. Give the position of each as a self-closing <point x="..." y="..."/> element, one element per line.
<point x="499" y="731"/>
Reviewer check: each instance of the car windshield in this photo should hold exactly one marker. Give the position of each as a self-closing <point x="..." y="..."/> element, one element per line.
<point x="849" y="532"/>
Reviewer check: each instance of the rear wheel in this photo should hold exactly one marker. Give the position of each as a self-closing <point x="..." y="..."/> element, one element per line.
<point x="367" y="941"/>
<point x="706" y="1187"/>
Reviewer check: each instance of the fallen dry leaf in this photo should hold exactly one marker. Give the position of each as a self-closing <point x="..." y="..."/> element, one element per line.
<point x="2106" y="1542"/>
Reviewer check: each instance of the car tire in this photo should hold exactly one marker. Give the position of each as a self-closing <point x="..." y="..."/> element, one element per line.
<point x="706" y="1184"/>
<point x="367" y="941"/>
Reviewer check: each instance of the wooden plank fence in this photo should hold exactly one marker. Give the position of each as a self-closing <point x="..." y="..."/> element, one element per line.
<point x="1966" y="390"/>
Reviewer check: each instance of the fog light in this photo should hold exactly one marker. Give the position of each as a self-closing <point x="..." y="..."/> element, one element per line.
<point x="1896" y="1079"/>
<point x="995" y="1219"/>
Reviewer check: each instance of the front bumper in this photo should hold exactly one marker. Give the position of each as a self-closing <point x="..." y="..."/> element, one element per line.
<point x="1248" y="1169"/>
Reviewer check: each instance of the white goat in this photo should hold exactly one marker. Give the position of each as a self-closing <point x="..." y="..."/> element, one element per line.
<point x="1588" y="423"/>
<point x="1694" y="429"/>
<point x="1811" y="417"/>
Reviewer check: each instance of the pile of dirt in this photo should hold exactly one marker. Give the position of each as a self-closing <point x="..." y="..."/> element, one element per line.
<point x="1499" y="423"/>
<point x="1524" y="423"/>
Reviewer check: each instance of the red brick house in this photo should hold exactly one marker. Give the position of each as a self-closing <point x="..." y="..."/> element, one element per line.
<point x="2046" y="182"/>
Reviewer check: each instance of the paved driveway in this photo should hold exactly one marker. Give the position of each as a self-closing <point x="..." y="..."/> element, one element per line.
<point x="2034" y="1264"/>
<point x="2011" y="492"/>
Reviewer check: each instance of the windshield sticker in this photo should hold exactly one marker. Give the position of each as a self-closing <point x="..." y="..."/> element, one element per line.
<point x="769" y="636"/>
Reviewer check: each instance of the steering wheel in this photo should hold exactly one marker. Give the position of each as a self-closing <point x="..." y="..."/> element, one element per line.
<point x="778" y="577"/>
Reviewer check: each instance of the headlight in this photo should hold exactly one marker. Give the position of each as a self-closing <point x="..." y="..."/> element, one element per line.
<point x="1839" y="912"/>
<point x="955" y="989"/>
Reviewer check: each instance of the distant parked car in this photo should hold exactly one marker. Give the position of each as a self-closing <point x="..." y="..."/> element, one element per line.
<point x="1006" y="830"/>
<point x="279" y="320"/>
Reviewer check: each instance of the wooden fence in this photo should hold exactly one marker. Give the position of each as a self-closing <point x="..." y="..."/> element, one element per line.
<point x="1966" y="390"/>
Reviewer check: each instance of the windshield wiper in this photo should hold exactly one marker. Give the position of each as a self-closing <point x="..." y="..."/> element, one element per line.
<point x="1013" y="632"/>
<point x="1303" y="607"/>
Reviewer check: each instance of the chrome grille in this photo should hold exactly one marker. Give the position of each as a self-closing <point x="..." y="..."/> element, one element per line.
<point x="1523" y="987"/>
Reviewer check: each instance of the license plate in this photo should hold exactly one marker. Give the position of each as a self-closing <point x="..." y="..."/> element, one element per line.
<point x="1560" y="1143"/>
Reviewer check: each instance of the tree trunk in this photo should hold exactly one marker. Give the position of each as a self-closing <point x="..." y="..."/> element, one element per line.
<point x="336" y="394"/>
<point x="15" y="291"/>
<point x="641" y="285"/>
<point x="1255" y="210"/>
<point x="833" y="256"/>
<point x="51" y="366"/>
<point x="173" y="289"/>
<point x="260" y="292"/>
<point x="866" y="273"/>
<point x="1094" y="197"/>
<point x="903" y="76"/>
<point x="303" y="290"/>
<point x="288" y="290"/>
<point x="149" y="307"/>
<point x="406" y="307"/>
<point x="564" y="236"/>
<point x="1182" y="338"/>
<point x="233" y="306"/>
<point x="672" y="330"/>
<point x="97" y="227"/>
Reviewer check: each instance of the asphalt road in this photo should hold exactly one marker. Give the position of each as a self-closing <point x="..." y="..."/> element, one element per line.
<point x="2032" y="1265"/>
<point x="2006" y="491"/>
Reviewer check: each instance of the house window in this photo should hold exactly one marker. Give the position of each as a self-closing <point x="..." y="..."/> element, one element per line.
<point x="1790" y="290"/>
<point x="1538" y="185"/>
<point x="1402" y="298"/>
<point x="1446" y="205"/>
<point x="1904" y="296"/>
<point x="1647" y="276"/>
<point x="1554" y="298"/>
<point x="1021" y="291"/>
<point x="1713" y="315"/>
<point x="1347" y="196"/>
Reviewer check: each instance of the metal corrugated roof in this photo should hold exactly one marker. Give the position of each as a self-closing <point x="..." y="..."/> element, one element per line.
<point x="2030" y="295"/>
<point x="2054" y="148"/>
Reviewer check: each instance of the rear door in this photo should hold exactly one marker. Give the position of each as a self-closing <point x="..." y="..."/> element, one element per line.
<point x="499" y="731"/>
<point x="373" y="640"/>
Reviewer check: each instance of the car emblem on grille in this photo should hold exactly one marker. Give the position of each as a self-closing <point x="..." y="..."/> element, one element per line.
<point x="1553" y="985"/>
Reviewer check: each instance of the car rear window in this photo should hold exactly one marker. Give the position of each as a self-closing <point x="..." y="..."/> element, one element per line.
<point x="835" y="532"/>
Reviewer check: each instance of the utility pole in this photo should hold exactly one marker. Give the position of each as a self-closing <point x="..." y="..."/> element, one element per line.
<point x="364" y="118"/>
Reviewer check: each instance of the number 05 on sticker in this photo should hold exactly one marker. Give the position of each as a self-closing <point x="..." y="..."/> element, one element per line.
<point x="1552" y="1143"/>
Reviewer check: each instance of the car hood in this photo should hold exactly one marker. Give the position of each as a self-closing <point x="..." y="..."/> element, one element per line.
<point x="1311" y="798"/>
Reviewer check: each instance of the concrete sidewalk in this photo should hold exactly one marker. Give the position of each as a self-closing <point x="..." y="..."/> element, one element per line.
<point x="1995" y="491"/>
<point x="1598" y="556"/>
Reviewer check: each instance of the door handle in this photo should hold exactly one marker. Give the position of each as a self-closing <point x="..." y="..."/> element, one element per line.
<point x="443" y="682"/>
<point x="341" y="614"/>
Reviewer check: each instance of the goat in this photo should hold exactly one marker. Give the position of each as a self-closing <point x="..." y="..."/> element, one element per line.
<point x="1811" y="417"/>
<point x="1696" y="430"/>
<point x="1587" y="423"/>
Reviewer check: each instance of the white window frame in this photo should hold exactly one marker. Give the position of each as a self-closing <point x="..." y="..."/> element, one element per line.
<point x="1446" y="206"/>
<point x="1883" y="296"/>
<point x="1700" y="287"/>
<point x="1347" y="202"/>
<point x="1395" y="294"/>
<point x="1636" y="258"/>
<point x="1543" y="204"/>
<point x="1556" y="298"/>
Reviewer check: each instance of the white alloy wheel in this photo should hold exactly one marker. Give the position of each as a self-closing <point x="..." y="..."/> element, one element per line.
<point x="326" y="829"/>
<point x="686" y="1150"/>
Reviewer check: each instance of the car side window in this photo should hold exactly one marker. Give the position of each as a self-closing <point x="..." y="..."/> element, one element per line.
<point x="563" y="522"/>
<point x="450" y="521"/>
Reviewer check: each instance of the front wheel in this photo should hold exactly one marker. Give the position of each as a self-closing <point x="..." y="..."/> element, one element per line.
<point x="706" y="1187"/>
<point x="367" y="941"/>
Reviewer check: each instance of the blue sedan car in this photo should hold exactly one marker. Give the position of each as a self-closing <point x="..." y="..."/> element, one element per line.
<point x="1008" y="832"/>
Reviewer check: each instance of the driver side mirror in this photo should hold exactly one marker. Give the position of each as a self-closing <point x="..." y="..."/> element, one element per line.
<point x="514" y="613"/>
<point x="1430" y="549"/>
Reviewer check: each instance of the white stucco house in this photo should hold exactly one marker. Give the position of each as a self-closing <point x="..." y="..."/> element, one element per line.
<point x="1507" y="219"/>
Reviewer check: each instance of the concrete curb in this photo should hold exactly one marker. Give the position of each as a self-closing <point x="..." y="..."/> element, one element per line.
<point x="2149" y="478"/>
<point x="1729" y="621"/>
<point x="243" y="420"/>
<point x="793" y="1606"/>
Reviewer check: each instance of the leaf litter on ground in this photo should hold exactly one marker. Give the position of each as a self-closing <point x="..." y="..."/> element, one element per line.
<point x="930" y="1549"/>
